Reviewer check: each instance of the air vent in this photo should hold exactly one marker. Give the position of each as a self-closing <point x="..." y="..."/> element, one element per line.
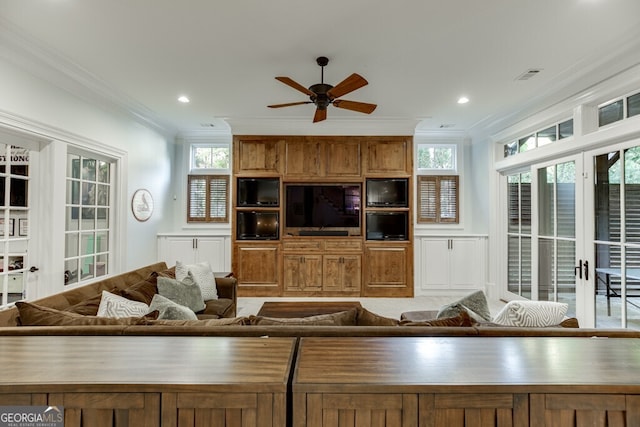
<point x="207" y="125"/>
<point x="446" y="125"/>
<point x="531" y="72"/>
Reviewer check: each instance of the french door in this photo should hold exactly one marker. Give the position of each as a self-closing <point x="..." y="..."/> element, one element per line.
<point x="545" y="261"/>
<point x="612" y="204"/>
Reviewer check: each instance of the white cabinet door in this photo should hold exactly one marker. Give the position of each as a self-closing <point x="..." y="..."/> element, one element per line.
<point x="451" y="263"/>
<point x="179" y="248"/>
<point x="194" y="249"/>
<point x="211" y="249"/>
<point x="465" y="271"/>
<point x="435" y="263"/>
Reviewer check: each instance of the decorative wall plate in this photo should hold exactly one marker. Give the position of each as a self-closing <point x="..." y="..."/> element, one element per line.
<point x="142" y="205"/>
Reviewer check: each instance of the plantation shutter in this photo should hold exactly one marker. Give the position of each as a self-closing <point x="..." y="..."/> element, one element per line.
<point x="208" y="198"/>
<point x="438" y="199"/>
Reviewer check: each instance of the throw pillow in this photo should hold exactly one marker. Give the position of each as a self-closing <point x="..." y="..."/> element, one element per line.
<point x="170" y="310"/>
<point x="202" y="275"/>
<point x="112" y="305"/>
<point x="368" y="318"/>
<point x="37" y="315"/>
<point x="343" y="318"/>
<point x="142" y="291"/>
<point x="537" y="314"/>
<point x="185" y="292"/>
<point x="463" y="319"/>
<point x="227" y="321"/>
<point x="89" y="306"/>
<point x="475" y="304"/>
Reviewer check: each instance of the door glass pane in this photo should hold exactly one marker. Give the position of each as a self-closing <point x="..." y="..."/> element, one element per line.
<point x="566" y="191"/>
<point x="607" y="286"/>
<point x="566" y="277"/>
<point x="546" y="201"/>
<point x="513" y="265"/>
<point x="632" y="194"/>
<point x="633" y="287"/>
<point x="546" y="270"/>
<point x="525" y="202"/>
<point x="607" y="197"/>
<point x="525" y="271"/>
<point x="513" y="194"/>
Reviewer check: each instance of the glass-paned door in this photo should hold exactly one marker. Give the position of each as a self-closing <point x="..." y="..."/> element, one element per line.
<point x="556" y="234"/>
<point x="615" y="236"/>
<point x="543" y="245"/>
<point x="14" y="222"/>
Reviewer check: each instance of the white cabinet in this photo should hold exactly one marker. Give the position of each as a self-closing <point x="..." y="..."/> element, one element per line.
<point x="450" y="263"/>
<point x="192" y="249"/>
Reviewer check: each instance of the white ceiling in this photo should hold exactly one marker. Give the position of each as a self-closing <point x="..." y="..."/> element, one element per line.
<point x="419" y="56"/>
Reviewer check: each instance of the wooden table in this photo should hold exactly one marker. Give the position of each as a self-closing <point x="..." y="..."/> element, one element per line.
<point x="149" y="381"/>
<point x="514" y="381"/>
<point x="289" y="309"/>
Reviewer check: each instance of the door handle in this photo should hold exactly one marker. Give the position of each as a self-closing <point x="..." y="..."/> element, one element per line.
<point x="577" y="271"/>
<point x="582" y="266"/>
<point x="585" y="265"/>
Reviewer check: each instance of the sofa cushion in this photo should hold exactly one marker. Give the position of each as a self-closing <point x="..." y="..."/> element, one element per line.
<point x="215" y="307"/>
<point x="170" y="310"/>
<point x="143" y="291"/>
<point x="185" y="292"/>
<point x="37" y="315"/>
<point x="204" y="322"/>
<point x="202" y="275"/>
<point x="368" y="318"/>
<point x="112" y="305"/>
<point x="475" y="304"/>
<point x="462" y="319"/>
<point x="538" y="314"/>
<point x="342" y="318"/>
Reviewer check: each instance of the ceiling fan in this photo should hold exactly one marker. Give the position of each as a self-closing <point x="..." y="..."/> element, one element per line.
<point x="323" y="94"/>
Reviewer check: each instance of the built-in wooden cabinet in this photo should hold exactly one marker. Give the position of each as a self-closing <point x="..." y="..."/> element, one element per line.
<point x="257" y="155"/>
<point x="257" y="268"/>
<point x="356" y="260"/>
<point x="388" y="270"/>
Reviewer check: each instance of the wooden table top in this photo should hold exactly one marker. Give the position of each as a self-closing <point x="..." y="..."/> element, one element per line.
<point x="289" y="309"/>
<point x="441" y="364"/>
<point x="150" y="363"/>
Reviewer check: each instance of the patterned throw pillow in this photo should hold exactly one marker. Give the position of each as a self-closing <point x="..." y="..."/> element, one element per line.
<point x="202" y="275"/>
<point x="538" y="314"/>
<point x="112" y="305"/>
<point x="185" y="292"/>
<point x="170" y="310"/>
<point x="475" y="304"/>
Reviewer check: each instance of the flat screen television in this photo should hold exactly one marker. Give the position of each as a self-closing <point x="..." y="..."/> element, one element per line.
<point x="388" y="192"/>
<point x="256" y="225"/>
<point x="322" y="206"/>
<point x="387" y="225"/>
<point x="256" y="192"/>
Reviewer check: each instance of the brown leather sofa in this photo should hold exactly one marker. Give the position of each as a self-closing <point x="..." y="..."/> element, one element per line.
<point x="362" y="322"/>
<point x="141" y="278"/>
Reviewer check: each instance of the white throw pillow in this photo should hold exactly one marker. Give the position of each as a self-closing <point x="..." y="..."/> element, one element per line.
<point x="202" y="275"/>
<point x="537" y="314"/>
<point x="112" y="305"/>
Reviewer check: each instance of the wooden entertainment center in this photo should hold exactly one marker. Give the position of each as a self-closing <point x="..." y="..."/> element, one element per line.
<point x="286" y="186"/>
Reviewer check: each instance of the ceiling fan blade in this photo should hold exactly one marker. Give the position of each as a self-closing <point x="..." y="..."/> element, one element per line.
<point x="361" y="107"/>
<point x="289" y="104"/>
<point x="295" y="85"/>
<point x="320" y="115"/>
<point x="351" y="83"/>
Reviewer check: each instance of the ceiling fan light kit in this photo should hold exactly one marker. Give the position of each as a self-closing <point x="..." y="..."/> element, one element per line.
<point x="323" y="94"/>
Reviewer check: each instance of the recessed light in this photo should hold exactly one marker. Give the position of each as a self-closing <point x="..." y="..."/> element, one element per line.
<point x="463" y="100"/>
<point x="184" y="99"/>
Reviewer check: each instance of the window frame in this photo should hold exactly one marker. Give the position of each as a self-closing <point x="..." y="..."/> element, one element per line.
<point x="438" y="171"/>
<point x="207" y="171"/>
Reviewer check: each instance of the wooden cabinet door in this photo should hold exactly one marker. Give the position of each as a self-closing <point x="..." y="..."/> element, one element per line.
<point x="256" y="269"/>
<point x="388" y="156"/>
<point x="302" y="158"/>
<point x="342" y="272"/>
<point x="342" y="159"/>
<point x="387" y="271"/>
<point x="257" y="155"/>
<point x="601" y="410"/>
<point x="302" y="272"/>
<point x="456" y="410"/>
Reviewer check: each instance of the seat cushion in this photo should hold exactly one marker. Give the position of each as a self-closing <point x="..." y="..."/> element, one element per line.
<point x="215" y="307"/>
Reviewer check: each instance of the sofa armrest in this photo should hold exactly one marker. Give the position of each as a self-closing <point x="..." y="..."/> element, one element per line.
<point x="226" y="287"/>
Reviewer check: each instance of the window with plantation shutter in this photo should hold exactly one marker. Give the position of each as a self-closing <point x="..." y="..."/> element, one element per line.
<point x="208" y="198"/>
<point x="438" y="199"/>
